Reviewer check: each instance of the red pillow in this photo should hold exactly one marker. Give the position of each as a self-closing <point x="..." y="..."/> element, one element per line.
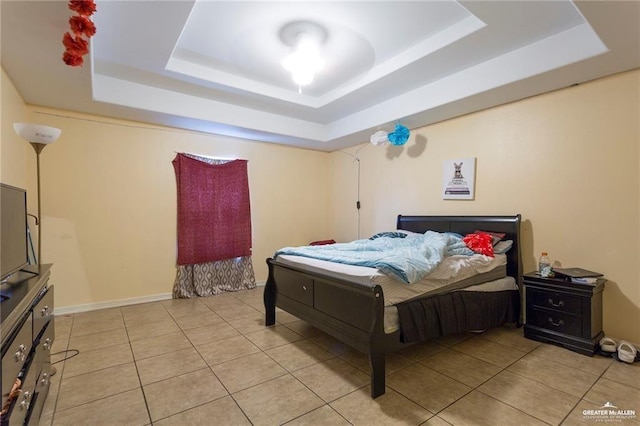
<point x="480" y="243"/>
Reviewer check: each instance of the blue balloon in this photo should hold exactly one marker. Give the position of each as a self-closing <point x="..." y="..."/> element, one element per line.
<point x="399" y="136"/>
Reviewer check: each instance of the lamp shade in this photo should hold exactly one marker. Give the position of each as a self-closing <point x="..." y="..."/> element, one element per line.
<point x="37" y="133"/>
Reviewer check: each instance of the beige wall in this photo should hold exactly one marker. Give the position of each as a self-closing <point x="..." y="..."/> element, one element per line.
<point x="13" y="150"/>
<point x="567" y="161"/>
<point x="109" y="204"/>
<point x="109" y="200"/>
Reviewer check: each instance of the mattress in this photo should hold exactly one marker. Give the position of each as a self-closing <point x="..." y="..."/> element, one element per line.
<point x="453" y="273"/>
<point x="456" y="273"/>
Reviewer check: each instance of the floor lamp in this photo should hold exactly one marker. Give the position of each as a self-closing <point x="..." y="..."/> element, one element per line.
<point x="39" y="137"/>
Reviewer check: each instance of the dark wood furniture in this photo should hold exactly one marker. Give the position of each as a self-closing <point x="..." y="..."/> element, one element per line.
<point x="563" y="312"/>
<point x="27" y="336"/>
<point x="353" y="312"/>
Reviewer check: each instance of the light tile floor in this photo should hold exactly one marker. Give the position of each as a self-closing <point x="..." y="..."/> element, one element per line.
<point x="211" y="361"/>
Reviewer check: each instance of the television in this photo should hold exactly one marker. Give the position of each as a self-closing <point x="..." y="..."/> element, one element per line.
<point x="14" y="254"/>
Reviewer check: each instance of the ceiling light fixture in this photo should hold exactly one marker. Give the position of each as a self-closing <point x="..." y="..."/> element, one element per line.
<point x="306" y="39"/>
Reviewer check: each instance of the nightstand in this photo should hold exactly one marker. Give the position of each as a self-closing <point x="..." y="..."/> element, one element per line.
<point x="565" y="313"/>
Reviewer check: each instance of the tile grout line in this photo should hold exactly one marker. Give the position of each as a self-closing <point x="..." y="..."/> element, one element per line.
<point x="287" y="372"/>
<point x="135" y="363"/>
<point x="290" y="373"/>
<point x="477" y="387"/>
<point x="545" y="384"/>
<point x="214" y="373"/>
<point x="586" y="392"/>
<point x="504" y="369"/>
<point x="87" y="402"/>
<point x="55" y="404"/>
<point x="351" y="363"/>
<point x="207" y="367"/>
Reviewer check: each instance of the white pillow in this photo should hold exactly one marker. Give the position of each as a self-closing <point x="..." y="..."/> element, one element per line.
<point x="502" y="246"/>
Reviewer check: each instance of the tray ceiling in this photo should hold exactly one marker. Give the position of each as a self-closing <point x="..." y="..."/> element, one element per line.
<point x="215" y="66"/>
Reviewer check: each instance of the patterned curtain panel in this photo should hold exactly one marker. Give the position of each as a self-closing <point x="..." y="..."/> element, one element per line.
<point x="207" y="279"/>
<point x="212" y="259"/>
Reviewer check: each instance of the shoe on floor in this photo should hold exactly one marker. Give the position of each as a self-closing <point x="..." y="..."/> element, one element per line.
<point x="627" y="353"/>
<point x="607" y="346"/>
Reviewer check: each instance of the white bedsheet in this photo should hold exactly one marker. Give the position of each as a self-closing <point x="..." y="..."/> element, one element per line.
<point x="451" y="271"/>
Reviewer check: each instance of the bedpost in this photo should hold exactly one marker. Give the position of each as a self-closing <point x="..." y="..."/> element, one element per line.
<point x="377" y="360"/>
<point x="269" y="297"/>
<point x="377" y="350"/>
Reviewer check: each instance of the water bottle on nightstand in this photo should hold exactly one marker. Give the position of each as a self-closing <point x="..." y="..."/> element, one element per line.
<point x="544" y="265"/>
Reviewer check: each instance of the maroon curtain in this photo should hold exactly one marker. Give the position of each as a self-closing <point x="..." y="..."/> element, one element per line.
<point x="214" y="216"/>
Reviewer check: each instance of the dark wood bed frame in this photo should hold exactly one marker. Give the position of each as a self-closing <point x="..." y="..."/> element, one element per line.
<point x="354" y="312"/>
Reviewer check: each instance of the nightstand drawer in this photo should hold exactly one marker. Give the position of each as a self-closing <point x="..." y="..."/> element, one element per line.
<point x="555" y="321"/>
<point x="555" y="300"/>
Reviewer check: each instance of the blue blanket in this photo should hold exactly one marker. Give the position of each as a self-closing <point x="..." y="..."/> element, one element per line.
<point x="407" y="259"/>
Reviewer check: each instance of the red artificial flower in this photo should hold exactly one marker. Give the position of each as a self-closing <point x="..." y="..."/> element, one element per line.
<point x="75" y="45"/>
<point x="82" y="25"/>
<point x="479" y="243"/>
<point x="72" y="60"/>
<point x="83" y="7"/>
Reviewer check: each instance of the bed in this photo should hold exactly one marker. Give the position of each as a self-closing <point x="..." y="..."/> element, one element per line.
<point x="354" y="311"/>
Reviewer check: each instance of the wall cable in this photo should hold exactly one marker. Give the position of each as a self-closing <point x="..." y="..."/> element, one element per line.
<point x="357" y="159"/>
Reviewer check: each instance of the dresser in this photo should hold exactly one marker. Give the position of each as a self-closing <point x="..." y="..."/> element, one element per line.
<point x="27" y="332"/>
<point x="563" y="312"/>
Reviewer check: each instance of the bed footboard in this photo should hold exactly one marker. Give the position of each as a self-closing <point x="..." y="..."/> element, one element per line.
<point x="351" y="312"/>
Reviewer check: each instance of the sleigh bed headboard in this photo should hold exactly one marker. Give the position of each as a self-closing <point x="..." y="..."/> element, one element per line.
<point x="509" y="225"/>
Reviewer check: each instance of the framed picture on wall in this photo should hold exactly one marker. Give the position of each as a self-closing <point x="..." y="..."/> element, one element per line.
<point x="459" y="179"/>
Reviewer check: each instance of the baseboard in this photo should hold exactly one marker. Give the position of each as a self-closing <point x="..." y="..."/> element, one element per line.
<point x="65" y="310"/>
<point x="109" y="304"/>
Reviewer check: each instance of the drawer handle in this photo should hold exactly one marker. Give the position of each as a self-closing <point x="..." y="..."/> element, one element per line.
<point x="45" y="380"/>
<point x="304" y="287"/>
<point x="47" y="344"/>
<point x="557" y="324"/>
<point x="26" y="401"/>
<point x="560" y="304"/>
<point x="20" y="354"/>
<point x="44" y="311"/>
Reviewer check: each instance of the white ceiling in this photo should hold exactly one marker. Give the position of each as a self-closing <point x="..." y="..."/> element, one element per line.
<point x="214" y="66"/>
